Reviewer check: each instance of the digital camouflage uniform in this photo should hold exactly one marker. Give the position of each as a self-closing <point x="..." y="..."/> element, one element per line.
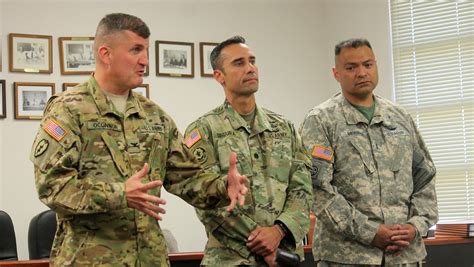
<point x="365" y="174"/>
<point x="84" y="152"/>
<point x="273" y="159"/>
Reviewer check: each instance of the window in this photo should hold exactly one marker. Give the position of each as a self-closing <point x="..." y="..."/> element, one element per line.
<point x="433" y="54"/>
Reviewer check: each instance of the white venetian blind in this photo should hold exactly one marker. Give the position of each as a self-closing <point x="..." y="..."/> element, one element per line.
<point x="433" y="52"/>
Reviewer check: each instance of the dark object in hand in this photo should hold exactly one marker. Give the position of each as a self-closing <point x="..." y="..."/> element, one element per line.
<point x="286" y="259"/>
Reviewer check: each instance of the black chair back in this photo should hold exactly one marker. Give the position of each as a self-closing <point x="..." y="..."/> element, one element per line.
<point x="41" y="235"/>
<point x="8" y="250"/>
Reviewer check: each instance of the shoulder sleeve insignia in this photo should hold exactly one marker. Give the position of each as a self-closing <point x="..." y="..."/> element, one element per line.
<point x="192" y="138"/>
<point x="54" y="130"/>
<point x="41" y="147"/>
<point x="322" y="152"/>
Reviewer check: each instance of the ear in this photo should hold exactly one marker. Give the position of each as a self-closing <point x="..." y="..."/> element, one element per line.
<point x="335" y="73"/>
<point x="104" y="54"/>
<point x="219" y="77"/>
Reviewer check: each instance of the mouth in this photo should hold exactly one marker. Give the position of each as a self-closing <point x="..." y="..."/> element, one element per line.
<point x="251" y="80"/>
<point x="364" y="83"/>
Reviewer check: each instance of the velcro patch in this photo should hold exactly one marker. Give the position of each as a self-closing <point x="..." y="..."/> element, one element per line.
<point x="41" y="147"/>
<point x="54" y="130"/>
<point x="192" y="138"/>
<point x="200" y="154"/>
<point x="322" y="152"/>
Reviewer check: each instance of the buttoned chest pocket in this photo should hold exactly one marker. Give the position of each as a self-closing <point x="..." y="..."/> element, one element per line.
<point x="399" y="150"/>
<point x="279" y="156"/>
<point x="158" y="156"/>
<point x="103" y="149"/>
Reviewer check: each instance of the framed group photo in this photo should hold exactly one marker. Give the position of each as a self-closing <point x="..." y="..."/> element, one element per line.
<point x="76" y="55"/>
<point x="175" y="59"/>
<point x="205" y="50"/>
<point x="31" y="99"/>
<point x="30" y="53"/>
<point x="143" y="89"/>
<point x="3" y="108"/>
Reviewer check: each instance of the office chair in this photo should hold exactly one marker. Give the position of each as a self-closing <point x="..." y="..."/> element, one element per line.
<point x="8" y="250"/>
<point x="41" y="234"/>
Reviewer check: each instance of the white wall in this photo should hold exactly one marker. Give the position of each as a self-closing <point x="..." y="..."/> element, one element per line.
<point x="292" y="39"/>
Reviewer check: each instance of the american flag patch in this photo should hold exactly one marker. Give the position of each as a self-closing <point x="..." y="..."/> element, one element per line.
<point x="53" y="129"/>
<point x="322" y="152"/>
<point x="193" y="137"/>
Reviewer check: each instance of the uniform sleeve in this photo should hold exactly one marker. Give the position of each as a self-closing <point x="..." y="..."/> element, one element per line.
<point x="297" y="207"/>
<point x="55" y="155"/>
<point x="329" y="206"/>
<point x="231" y="229"/>
<point x="423" y="204"/>
<point x="186" y="178"/>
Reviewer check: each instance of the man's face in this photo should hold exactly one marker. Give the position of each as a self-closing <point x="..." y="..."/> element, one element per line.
<point x="128" y="59"/>
<point x="356" y="71"/>
<point x="239" y="74"/>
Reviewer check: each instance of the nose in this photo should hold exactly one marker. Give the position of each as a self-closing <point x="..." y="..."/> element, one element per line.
<point x="144" y="59"/>
<point x="361" y="71"/>
<point x="251" y="68"/>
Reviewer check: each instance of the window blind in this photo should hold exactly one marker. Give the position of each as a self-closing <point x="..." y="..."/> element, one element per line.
<point x="433" y="54"/>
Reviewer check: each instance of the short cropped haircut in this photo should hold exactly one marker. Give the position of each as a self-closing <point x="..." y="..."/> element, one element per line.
<point x="117" y="22"/>
<point x="216" y="61"/>
<point x="351" y="43"/>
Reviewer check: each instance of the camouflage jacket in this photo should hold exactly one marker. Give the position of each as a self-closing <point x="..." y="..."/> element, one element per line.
<point x="83" y="153"/>
<point x="273" y="158"/>
<point x="366" y="174"/>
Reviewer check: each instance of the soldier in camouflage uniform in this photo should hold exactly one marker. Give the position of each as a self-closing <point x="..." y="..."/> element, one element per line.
<point x="98" y="142"/>
<point x="271" y="156"/>
<point x="373" y="178"/>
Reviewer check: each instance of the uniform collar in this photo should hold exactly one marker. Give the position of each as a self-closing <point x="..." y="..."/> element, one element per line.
<point x="261" y="123"/>
<point x="104" y="106"/>
<point x="353" y="116"/>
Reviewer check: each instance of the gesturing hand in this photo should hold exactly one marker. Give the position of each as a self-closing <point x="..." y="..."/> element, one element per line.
<point x="138" y="197"/>
<point x="236" y="188"/>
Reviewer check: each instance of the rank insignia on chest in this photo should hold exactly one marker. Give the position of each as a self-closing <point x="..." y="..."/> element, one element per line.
<point x="322" y="152"/>
<point x="54" y="130"/>
<point x="192" y="138"/>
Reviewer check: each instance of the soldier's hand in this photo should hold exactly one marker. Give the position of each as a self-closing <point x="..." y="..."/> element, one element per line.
<point x="382" y="238"/>
<point x="236" y="188"/>
<point x="270" y="259"/>
<point x="264" y="240"/>
<point x="402" y="237"/>
<point x="138" y="197"/>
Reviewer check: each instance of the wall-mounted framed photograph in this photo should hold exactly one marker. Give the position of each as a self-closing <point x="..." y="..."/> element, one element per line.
<point x="68" y="85"/>
<point x="175" y="59"/>
<point x="205" y="50"/>
<point x="76" y="55"/>
<point x="31" y="99"/>
<point x="30" y="53"/>
<point x="3" y="107"/>
<point x="143" y="89"/>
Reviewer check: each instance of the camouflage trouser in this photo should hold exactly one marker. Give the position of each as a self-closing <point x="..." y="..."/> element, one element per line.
<point x="335" y="264"/>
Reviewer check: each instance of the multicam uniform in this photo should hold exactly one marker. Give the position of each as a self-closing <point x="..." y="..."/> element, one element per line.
<point x="84" y="152"/>
<point x="273" y="158"/>
<point x="365" y="174"/>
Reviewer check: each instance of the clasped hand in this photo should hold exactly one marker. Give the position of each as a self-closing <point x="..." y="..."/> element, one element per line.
<point x="394" y="238"/>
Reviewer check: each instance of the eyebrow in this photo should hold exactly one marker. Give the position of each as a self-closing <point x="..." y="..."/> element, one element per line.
<point x="242" y="58"/>
<point x="363" y="62"/>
